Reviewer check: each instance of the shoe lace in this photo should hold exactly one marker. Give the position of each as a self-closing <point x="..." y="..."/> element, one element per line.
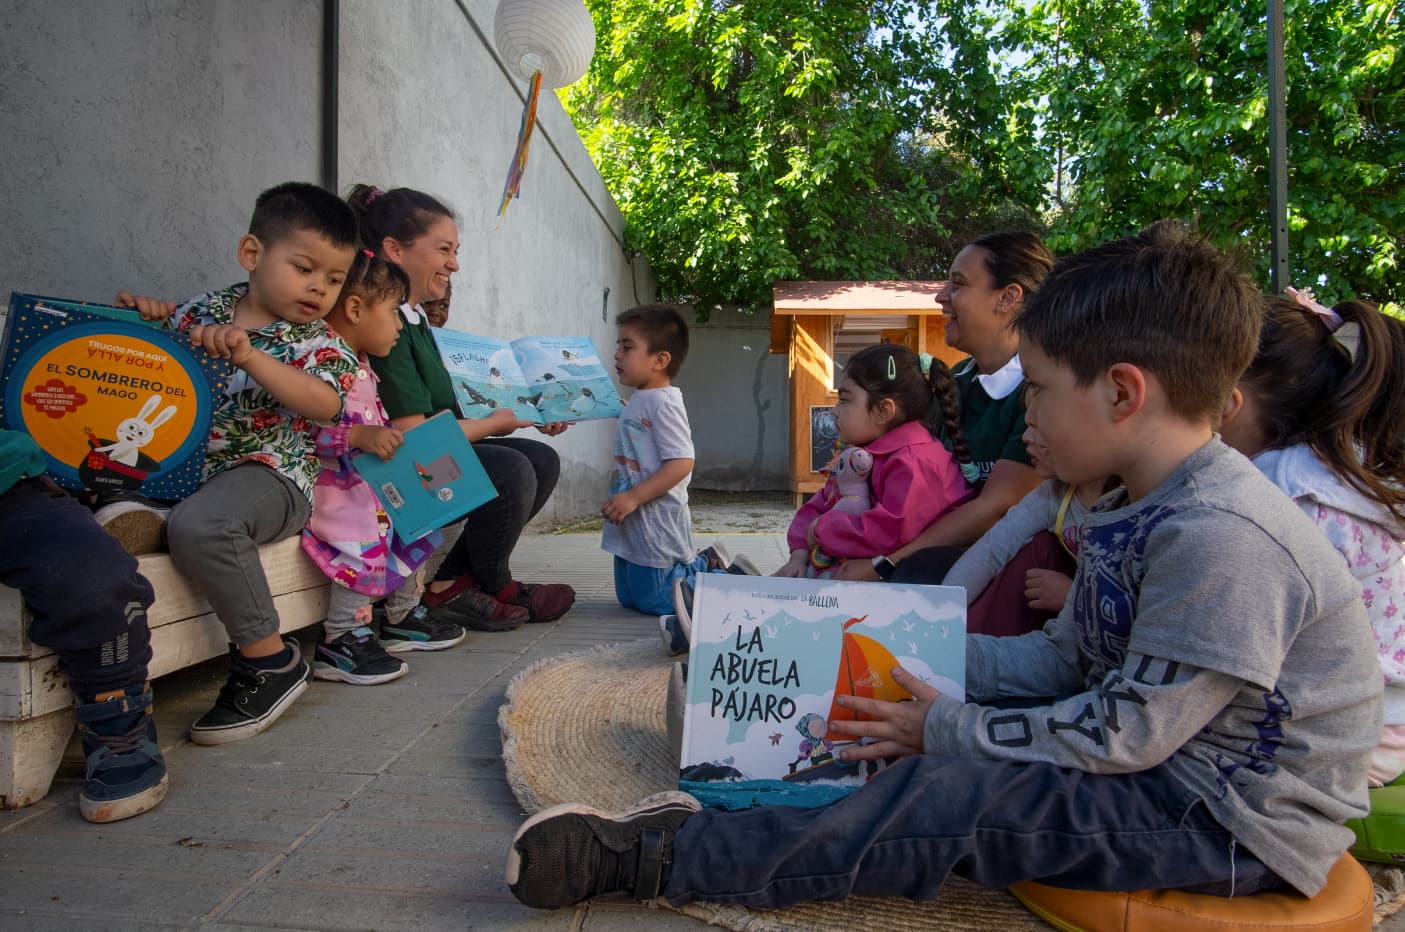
<point x="120" y="744"/>
<point x="240" y="682"/>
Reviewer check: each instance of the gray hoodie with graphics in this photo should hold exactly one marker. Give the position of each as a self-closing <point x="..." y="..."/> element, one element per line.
<point x="1213" y="629"/>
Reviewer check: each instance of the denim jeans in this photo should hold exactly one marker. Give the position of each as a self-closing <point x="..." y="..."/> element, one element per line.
<point x="992" y="822"/>
<point x="87" y="600"/>
<point x="524" y="472"/>
<point x="649" y="589"/>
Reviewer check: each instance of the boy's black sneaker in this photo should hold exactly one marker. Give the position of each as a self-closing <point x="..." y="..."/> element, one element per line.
<point x="356" y="657"/>
<point x="741" y="565"/>
<point x="126" y="774"/>
<point x="422" y="629"/>
<point x="718" y="558"/>
<point x="571" y="852"/>
<point x="251" y="699"/>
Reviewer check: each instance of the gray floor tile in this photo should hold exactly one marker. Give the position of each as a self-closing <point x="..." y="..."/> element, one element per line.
<point x="363" y="808"/>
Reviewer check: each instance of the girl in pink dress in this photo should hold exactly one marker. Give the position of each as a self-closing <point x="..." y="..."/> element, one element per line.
<point x="349" y="535"/>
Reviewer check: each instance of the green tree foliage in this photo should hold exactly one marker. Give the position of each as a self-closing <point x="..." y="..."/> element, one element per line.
<point x="1163" y="112"/>
<point x="753" y="141"/>
<point x="749" y="142"/>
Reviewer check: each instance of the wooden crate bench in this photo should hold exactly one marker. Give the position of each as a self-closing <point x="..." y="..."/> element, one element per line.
<point x="36" y="706"/>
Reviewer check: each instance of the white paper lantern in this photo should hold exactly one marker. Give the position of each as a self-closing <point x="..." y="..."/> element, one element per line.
<point x="555" y="37"/>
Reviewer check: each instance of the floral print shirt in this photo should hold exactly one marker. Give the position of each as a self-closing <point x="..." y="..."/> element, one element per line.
<point x="249" y="424"/>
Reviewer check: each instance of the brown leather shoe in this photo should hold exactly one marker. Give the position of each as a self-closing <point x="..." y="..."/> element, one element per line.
<point x="543" y="601"/>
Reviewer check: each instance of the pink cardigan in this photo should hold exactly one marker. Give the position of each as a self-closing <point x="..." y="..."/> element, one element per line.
<point x="914" y="482"/>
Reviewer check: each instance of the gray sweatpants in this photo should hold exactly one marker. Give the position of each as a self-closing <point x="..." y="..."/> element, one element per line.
<point x="214" y="537"/>
<point x="341" y="611"/>
<point x="403" y="600"/>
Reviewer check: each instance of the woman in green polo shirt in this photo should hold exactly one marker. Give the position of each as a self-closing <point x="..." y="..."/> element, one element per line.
<point x="989" y="282"/>
<point x="418" y="233"/>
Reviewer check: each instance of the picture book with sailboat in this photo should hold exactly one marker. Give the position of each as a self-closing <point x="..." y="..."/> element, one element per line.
<point x="768" y="657"/>
<point x="542" y="379"/>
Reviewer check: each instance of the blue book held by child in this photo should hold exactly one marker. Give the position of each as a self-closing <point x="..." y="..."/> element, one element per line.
<point x="433" y="479"/>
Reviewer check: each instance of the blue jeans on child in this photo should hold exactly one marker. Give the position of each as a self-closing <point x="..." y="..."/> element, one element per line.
<point x="649" y="589"/>
<point x="992" y="822"/>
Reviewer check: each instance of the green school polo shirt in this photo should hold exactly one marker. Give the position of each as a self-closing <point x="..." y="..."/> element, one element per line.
<point x="413" y="379"/>
<point x="994" y="427"/>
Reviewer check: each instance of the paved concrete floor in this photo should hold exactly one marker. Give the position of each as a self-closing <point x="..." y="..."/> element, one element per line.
<point x="363" y="808"/>
<point x="379" y="807"/>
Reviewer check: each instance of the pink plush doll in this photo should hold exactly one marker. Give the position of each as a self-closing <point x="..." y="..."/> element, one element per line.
<point x="850" y="474"/>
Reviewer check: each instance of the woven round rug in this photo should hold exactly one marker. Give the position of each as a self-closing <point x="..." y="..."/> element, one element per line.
<point x="589" y="728"/>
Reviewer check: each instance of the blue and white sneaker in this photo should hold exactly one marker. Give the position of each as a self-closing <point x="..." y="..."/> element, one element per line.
<point x="356" y="657"/>
<point x="423" y="629"/>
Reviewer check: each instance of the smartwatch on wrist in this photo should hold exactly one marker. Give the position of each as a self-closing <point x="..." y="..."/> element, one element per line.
<point x="884" y="567"/>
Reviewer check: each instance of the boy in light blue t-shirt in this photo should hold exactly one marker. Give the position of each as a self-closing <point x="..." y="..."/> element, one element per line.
<point x="647" y="524"/>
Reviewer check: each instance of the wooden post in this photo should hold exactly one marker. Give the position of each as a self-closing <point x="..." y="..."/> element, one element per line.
<point x="811" y="374"/>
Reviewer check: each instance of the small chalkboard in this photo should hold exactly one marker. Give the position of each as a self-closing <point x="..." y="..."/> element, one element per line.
<point x="824" y="437"/>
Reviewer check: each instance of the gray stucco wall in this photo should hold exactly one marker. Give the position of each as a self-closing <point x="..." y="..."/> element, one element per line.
<point x="737" y="397"/>
<point x="138" y="135"/>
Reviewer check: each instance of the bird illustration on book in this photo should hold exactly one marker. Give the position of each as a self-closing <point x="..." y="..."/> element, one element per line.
<point x="535" y="400"/>
<point x="584" y="403"/>
<point x="425" y="477"/>
<point x="567" y="354"/>
<point x="476" y="396"/>
<point x="776" y="738"/>
<point x="495" y="379"/>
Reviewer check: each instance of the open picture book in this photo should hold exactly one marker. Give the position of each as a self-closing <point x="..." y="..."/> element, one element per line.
<point x="768" y="657"/>
<point x="542" y="379"/>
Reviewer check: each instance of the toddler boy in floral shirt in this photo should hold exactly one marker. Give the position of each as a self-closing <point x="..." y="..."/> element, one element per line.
<point x="291" y="371"/>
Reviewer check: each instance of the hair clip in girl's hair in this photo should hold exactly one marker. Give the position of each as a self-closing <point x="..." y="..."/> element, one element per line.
<point x="1347" y="335"/>
<point x="892" y="367"/>
<point x="375" y="193"/>
<point x="369" y="254"/>
<point x="1308" y="301"/>
<point x="925" y="361"/>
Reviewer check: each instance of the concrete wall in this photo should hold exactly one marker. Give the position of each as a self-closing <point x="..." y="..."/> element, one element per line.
<point x="138" y="135"/>
<point x="737" y="396"/>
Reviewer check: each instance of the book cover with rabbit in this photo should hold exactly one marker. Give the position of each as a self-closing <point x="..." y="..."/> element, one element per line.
<point x="767" y="659"/>
<point x="116" y="403"/>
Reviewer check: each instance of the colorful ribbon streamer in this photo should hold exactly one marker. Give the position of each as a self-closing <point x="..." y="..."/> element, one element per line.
<point x="518" y="168"/>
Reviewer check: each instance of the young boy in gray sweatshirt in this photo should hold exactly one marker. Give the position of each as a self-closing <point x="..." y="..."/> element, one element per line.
<point x="1205" y="702"/>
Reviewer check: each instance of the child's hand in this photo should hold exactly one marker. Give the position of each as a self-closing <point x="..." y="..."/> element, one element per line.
<point x="503" y="422"/>
<point x="898" y="726"/>
<point x="618" y="507"/>
<point x="1047" y="590"/>
<point x="810" y="534"/>
<point x="148" y="308"/>
<point x="223" y="341"/>
<point x="794" y="567"/>
<point x="554" y="428"/>
<point x="382" y="441"/>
